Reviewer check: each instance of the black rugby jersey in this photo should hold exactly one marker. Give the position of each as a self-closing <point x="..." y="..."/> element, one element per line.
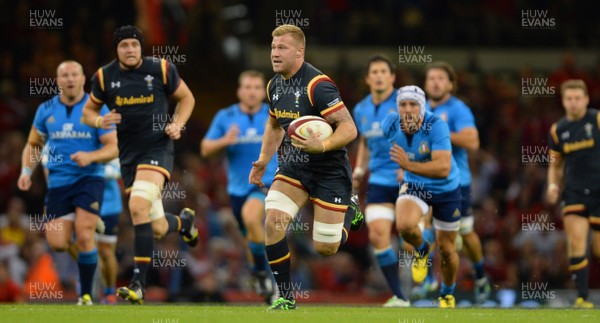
<point x="308" y="92"/>
<point x="578" y="142"/>
<point x="141" y="96"/>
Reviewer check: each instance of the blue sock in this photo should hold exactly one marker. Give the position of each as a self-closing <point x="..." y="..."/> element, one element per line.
<point x="388" y="261"/>
<point x="423" y="248"/>
<point x="447" y="290"/>
<point x="87" y="266"/>
<point x="479" y="273"/>
<point x="429" y="235"/>
<point x="109" y="291"/>
<point x="259" y="255"/>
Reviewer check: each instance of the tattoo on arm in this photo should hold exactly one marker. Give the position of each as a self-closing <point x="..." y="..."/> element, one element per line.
<point x="340" y="116"/>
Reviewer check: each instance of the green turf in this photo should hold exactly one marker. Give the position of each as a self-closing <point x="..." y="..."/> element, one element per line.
<point x="49" y="313"/>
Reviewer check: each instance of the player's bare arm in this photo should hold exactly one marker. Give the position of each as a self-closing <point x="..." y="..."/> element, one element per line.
<point x="467" y="138"/>
<point x="209" y="147"/>
<point x="272" y="138"/>
<point x="91" y="113"/>
<point x="344" y="129"/>
<point x="362" y="162"/>
<point x="106" y="153"/>
<point x="30" y="157"/>
<point x="555" y="176"/>
<point x="438" y="167"/>
<point x="185" y="105"/>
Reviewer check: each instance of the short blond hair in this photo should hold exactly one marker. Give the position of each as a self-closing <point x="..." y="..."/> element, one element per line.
<point x="573" y="84"/>
<point x="294" y="31"/>
<point x="252" y="74"/>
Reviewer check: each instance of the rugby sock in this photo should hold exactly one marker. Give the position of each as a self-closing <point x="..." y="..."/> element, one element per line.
<point x="279" y="260"/>
<point x="447" y="290"/>
<point x="479" y="273"/>
<point x="87" y="266"/>
<point x="259" y="255"/>
<point x="175" y="222"/>
<point x="423" y="249"/>
<point x="142" y="248"/>
<point x="580" y="271"/>
<point x="388" y="262"/>
<point x="109" y="290"/>
<point x="429" y="235"/>
<point x="348" y="216"/>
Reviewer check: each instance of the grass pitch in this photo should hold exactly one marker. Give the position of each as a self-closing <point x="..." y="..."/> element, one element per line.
<point x="68" y="313"/>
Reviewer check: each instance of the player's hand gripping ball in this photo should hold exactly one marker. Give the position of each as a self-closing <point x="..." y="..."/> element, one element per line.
<point x="318" y="125"/>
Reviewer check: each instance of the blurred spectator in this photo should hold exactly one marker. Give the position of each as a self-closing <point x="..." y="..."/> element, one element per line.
<point x="14" y="224"/>
<point x="9" y="290"/>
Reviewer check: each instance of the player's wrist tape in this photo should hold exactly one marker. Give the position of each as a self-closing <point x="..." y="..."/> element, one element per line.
<point x="99" y="121"/>
<point x="359" y="171"/>
<point x="26" y="171"/>
<point x="326" y="145"/>
<point x="552" y="186"/>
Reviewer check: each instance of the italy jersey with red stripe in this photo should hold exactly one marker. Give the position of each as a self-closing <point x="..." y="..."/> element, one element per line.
<point x="308" y="92"/>
<point x="141" y="96"/>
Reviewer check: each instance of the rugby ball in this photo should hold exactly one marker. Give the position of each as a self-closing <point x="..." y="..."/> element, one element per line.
<point x="318" y="125"/>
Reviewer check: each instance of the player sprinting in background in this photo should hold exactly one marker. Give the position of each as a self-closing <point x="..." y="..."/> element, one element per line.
<point x="574" y="155"/>
<point x="440" y="84"/>
<point x="374" y="155"/>
<point x="137" y="90"/>
<point x="75" y="179"/>
<point x="421" y="146"/>
<point x="239" y="130"/>
<point x="313" y="169"/>
<point x="106" y="228"/>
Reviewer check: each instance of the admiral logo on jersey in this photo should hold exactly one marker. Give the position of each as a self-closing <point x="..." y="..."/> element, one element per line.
<point x="120" y="101"/>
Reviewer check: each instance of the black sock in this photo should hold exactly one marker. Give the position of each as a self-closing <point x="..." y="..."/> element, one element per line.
<point x="279" y="260"/>
<point x="175" y="222"/>
<point x="580" y="271"/>
<point x="348" y="216"/>
<point x="142" y="248"/>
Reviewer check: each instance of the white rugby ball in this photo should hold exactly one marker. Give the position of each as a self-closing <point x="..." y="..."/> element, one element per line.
<point x="318" y="125"/>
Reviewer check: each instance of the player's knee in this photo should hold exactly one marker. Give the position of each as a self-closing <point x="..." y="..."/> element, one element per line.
<point x="405" y="226"/>
<point x="139" y="208"/>
<point x="378" y="237"/>
<point x="159" y="228"/>
<point x="326" y="249"/>
<point x="446" y="249"/>
<point x="327" y="237"/>
<point x="466" y="225"/>
<point x="104" y="250"/>
<point x="143" y="195"/>
<point x="252" y="219"/>
<point x="276" y="221"/>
